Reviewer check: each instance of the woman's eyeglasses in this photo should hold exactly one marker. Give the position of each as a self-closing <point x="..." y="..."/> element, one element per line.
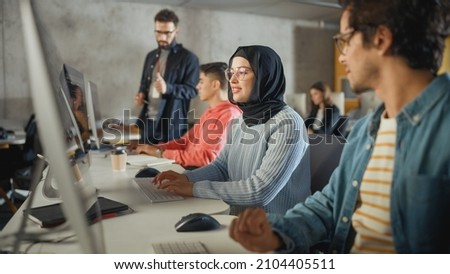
<point x="240" y="73"/>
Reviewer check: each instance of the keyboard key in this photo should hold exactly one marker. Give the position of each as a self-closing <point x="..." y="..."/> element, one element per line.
<point x="180" y="248"/>
<point x="154" y="194"/>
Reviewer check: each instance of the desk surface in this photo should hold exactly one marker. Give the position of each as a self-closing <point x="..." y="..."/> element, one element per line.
<point x="135" y="233"/>
<point x="16" y="134"/>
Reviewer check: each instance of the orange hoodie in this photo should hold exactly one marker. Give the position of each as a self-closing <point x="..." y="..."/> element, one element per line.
<point x="203" y="142"/>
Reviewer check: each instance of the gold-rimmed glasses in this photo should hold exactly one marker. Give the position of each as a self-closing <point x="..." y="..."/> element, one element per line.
<point x="342" y="40"/>
<point x="240" y="73"/>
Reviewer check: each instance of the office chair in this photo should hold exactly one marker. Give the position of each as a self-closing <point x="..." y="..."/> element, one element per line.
<point x="325" y="153"/>
<point x="297" y="101"/>
<point x="17" y="161"/>
<point x="340" y="127"/>
<point x="338" y="98"/>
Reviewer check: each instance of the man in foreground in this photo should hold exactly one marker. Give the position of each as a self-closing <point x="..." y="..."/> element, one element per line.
<point x="391" y="191"/>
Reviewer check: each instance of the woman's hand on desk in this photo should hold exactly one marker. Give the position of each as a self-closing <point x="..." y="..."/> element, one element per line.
<point x="179" y="187"/>
<point x="175" y="182"/>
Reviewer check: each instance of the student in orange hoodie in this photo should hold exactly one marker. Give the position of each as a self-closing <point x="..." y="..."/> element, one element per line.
<point x="202" y="143"/>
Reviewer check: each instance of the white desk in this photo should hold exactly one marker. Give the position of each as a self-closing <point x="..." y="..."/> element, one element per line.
<point x="150" y="223"/>
<point x="16" y="135"/>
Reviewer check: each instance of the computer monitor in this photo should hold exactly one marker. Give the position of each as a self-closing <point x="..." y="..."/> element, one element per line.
<point x="69" y="122"/>
<point x="42" y="73"/>
<point x="94" y="114"/>
<point x="73" y="141"/>
<point x="49" y="186"/>
<point x="77" y="95"/>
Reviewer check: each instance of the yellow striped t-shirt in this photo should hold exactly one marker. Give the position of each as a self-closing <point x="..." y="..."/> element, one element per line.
<point x="371" y="219"/>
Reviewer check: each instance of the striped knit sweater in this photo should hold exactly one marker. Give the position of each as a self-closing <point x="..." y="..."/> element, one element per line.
<point x="266" y="166"/>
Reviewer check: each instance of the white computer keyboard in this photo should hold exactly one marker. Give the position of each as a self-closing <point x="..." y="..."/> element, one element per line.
<point x="180" y="248"/>
<point x="154" y="194"/>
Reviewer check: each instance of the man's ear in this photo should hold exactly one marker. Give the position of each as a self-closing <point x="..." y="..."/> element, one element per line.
<point x="383" y="40"/>
<point x="216" y="84"/>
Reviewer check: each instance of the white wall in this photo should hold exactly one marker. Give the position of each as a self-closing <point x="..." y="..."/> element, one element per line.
<point x="108" y="41"/>
<point x="15" y="99"/>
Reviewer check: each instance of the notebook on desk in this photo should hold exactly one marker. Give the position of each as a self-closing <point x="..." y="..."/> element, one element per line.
<point x="143" y="160"/>
<point x="154" y="194"/>
<point x="53" y="215"/>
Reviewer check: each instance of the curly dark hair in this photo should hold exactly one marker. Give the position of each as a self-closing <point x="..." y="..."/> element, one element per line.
<point x="419" y="27"/>
<point x="167" y="15"/>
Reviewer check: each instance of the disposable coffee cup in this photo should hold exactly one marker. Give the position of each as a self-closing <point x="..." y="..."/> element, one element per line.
<point x="119" y="160"/>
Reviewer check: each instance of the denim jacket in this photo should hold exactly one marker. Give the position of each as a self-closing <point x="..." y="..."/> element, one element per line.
<point x="420" y="192"/>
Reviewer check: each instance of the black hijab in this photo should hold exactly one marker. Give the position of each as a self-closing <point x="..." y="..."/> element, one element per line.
<point x="266" y="98"/>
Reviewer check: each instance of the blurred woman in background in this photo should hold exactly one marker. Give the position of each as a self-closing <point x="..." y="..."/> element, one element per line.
<point x="324" y="114"/>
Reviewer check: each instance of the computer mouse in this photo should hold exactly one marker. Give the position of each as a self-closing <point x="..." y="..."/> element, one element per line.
<point x="147" y="172"/>
<point x="197" y="222"/>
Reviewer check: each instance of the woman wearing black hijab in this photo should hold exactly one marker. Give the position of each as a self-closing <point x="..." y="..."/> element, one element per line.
<point x="265" y="162"/>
